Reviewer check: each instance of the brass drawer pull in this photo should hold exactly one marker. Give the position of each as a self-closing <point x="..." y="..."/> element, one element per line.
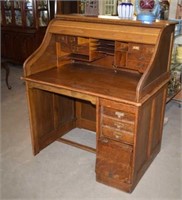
<point x="119" y="114"/>
<point x="117" y="136"/>
<point x="104" y="140"/>
<point x="118" y="125"/>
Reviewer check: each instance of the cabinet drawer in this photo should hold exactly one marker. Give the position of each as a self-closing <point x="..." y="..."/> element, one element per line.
<point x="118" y="124"/>
<point x="124" y="136"/>
<point x="118" y="114"/>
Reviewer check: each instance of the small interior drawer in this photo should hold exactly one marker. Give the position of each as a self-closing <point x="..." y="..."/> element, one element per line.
<point x="134" y="47"/>
<point x="145" y="49"/>
<point x="124" y="136"/>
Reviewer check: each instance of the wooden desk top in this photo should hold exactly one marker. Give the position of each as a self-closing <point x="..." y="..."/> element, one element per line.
<point x="90" y="80"/>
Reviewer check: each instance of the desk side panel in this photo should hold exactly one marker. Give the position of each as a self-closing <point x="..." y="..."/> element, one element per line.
<point x="51" y="116"/>
<point x="148" y="133"/>
<point x="157" y="73"/>
<point x="44" y="57"/>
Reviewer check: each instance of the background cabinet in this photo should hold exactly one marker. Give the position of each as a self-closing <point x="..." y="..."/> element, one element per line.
<point x="23" y="25"/>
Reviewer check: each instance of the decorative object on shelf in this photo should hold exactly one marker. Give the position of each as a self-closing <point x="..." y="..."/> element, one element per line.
<point x="146" y="10"/>
<point x="82" y="7"/>
<point x="91" y="8"/>
<point x="125" y="9"/>
<point x="163" y="9"/>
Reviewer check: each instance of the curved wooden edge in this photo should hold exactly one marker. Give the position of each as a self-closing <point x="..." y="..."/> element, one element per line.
<point x="43" y="57"/>
<point x="158" y="69"/>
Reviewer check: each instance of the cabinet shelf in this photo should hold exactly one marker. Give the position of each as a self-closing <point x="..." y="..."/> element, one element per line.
<point x="79" y="57"/>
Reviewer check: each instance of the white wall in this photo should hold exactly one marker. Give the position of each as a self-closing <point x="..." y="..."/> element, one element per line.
<point x="172" y="9"/>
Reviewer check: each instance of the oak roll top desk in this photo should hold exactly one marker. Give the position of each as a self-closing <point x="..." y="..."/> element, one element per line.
<point x="105" y="75"/>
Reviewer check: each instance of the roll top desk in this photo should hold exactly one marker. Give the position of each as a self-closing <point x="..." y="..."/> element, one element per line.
<point x="105" y="75"/>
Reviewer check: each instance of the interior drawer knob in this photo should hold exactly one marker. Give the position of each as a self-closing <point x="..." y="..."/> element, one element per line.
<point x="119" y="114"/>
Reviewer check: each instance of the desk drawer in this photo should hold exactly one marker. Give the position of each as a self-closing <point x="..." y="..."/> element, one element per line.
<point x="118" y="124"/>
<point x="114" y="160"/>
<point x="113" y="171"/>
<point x="118" y="114"/>
<point x="114" y="151"/>
<point x="120" y="135"/>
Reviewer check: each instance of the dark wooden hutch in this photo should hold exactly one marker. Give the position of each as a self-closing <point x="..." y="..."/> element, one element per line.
<point x="23" y="25"/>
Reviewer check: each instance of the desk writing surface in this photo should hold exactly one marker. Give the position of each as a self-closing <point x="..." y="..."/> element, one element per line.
<point x="91" y="80"/>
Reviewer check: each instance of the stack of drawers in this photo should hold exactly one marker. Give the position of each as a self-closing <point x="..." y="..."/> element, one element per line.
<point x="115" y="143"/>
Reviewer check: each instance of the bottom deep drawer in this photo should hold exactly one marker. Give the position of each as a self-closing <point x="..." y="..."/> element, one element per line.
<point x="118" y="172"/>
<point x="114" y="160"/>
<point x="114" y="151"/>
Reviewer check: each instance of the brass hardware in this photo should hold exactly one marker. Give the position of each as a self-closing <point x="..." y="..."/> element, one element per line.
<point x="117" y="136"/>
<point x="136" y="47"/>
<point x="119" y="125"/>
<point x="104" y="140"/>
<point x="119" y="114"/>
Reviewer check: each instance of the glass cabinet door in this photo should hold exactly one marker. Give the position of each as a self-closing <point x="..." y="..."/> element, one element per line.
<point x="7" y="4"/>
<point x="25" y="13"/>
<point x="29" y="14"/>
<point x="18" y="12"/>
<point x="43" y="12"/>
<point x="7" y="16"/>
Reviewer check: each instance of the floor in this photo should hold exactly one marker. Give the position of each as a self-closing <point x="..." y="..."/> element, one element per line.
<point x="63" y="172"/>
